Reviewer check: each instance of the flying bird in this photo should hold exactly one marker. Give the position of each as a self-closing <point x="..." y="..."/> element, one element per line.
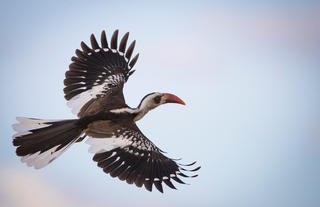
<point x="94" y="91"/>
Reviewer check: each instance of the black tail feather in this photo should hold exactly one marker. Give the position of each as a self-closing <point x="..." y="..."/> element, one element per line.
<point x="40" y="141"/>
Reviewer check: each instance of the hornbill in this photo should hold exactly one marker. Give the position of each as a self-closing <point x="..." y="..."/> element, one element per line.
<point x="94" y="90"/>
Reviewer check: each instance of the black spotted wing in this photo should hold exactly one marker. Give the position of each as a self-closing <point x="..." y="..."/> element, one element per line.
<point x="127" y="154"/>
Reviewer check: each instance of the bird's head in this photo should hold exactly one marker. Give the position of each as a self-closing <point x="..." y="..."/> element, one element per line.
<point x="154" y="100"/>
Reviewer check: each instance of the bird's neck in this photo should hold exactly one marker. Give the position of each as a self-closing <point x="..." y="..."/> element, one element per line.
<point x="138" y="113"/>
<point x="144" y="107"/>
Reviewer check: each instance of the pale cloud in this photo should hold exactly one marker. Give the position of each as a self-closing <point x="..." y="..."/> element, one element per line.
<point x="21" y="188"/>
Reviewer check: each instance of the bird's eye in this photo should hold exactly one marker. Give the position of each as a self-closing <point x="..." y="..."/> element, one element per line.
<point x="157" y="99"/>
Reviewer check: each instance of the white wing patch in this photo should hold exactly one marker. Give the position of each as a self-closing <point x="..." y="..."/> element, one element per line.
<point x="128" y="138"/>
<point x="78" y="101"/>
<point x="98" y="145"/>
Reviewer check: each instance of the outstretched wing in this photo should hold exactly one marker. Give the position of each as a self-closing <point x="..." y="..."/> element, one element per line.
<point x="99" y="73"/>
<point x="124" y="152"/>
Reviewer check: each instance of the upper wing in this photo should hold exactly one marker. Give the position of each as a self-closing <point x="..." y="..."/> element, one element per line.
<point x="99" y="73"/>
<point x="124" y="152"/>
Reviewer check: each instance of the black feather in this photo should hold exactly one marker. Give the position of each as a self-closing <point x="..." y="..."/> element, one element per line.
<point x="104" y="42"/>
<point x="94" y="42"/>
<point x="158" y="186"/>
<point x="70" y="88"/>
<point x="148" y="185"/>
<point x="193" y="170"/>
<point x="189" y="164"/>
<point x="131" y="161"/>
<point x="76" y="66"/>
<point x="101" y="156"/>
<point x="130" y="50"/>
<point x="112" y="166"/>
<point x="114" y="40"/>
<point x="135" y="171"/>
<point x="133" y="61"/>
<point x="85" y="47"/>
<point x="169" y="183"/>
<point x="43" y="139"/>
<point x="104" y="163"/>
<point x="141" y="179"/>
<point x="73" y="93"/>
<point x="123" y="42"/>
<point x="183" y="175"/>
<point x="80" y="54"/>
<point x="122" y="168"/>
<point x="178" y="180"/>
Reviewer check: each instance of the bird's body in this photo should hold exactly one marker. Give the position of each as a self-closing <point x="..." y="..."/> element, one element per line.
<point x="94" y="90"/>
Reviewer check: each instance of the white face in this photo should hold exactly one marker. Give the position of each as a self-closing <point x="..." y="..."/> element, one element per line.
<point x="152" y="100"/>
<point x="148" y="103"/>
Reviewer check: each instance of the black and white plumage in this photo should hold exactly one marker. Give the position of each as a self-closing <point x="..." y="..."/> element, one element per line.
<point x="94" y="90"/>
<point x="99" y="71"/>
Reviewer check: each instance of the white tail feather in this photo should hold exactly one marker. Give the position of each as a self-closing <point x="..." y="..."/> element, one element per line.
<point x="39" y="160"/>
<point x="25" y="125"/>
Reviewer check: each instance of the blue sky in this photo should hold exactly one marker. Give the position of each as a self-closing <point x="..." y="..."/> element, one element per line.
<point x="248" y="71"/>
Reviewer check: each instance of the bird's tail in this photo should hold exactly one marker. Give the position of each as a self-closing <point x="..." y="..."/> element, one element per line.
<point x="40" y="141"/>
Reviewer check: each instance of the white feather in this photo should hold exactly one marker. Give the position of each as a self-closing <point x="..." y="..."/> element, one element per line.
<point x="20" y="134"/>
<point x="30" y="157"/>
<point x="98" y="145"/>
<point x="122" y="110"/>
<point x="25" y="125"/>
<point x="28" y="124"/>
<point x="43" y="159"/>
<point x="39" y="160"/>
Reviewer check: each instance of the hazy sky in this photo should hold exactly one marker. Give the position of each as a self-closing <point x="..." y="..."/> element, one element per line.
<point x="248" y="71"/>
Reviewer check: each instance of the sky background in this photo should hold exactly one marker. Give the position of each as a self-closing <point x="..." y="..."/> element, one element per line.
<point x="249" y="72"/>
